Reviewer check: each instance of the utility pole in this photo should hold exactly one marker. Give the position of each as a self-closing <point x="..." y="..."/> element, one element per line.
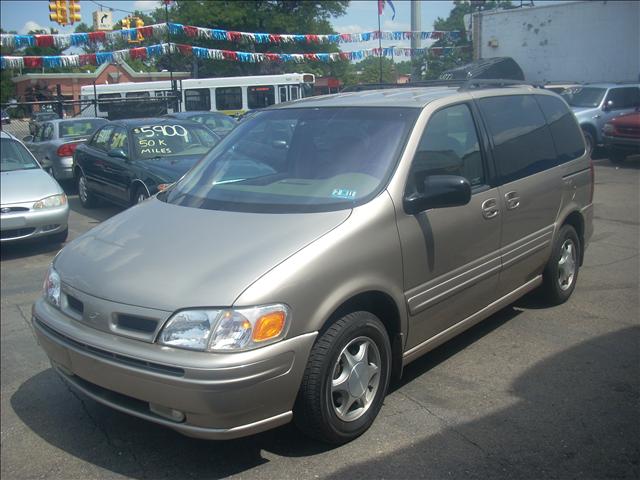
<point x="416" y="27"/>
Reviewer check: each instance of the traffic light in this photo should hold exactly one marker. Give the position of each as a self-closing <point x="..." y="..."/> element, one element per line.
<point x="58" y="9"/>
<point x="74" y="11"/>
<point x="126" y="23"/>
<point x="139" y="24"/>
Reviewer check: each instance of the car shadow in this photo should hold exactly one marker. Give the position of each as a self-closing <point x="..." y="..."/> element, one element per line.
<point x="573" y="415"/>
<point x="28" y="248"/>
<point x="102" y="212"/>
<point x="133" y="447"/>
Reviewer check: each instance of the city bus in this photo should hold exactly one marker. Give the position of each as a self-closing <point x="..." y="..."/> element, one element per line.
<point x="229" y="95"/>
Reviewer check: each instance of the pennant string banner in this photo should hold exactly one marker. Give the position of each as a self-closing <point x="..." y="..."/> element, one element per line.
<point x="65" y="40"/>
<point x="210" y="53"/>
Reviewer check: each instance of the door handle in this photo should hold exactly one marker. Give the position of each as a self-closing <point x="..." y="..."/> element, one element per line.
<point x="490" y="208"/>
<point x="512" y="199"/>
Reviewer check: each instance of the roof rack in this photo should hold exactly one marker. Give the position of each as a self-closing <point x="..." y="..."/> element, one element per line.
<point x="468" y="84"/>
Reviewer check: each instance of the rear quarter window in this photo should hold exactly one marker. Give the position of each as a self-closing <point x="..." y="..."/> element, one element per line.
<point x="564" y="128"/>
<point x="522" y="143"/>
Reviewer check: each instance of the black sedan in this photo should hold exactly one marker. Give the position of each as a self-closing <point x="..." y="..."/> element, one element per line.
<point x="220" y="123"/>
<point x="126" y="161"/>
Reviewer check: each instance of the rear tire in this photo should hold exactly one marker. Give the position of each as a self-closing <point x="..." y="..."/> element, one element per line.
<point x="346" y="379"/>
<point x="87" y="198"/>
<point x="561" y="273"/>
<point x="139" y="196"/>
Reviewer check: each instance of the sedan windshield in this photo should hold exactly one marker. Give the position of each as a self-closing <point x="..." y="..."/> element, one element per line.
<point x="14" y="156"/>
<point x="583" y="96"/>
<point x="79" y="128"/>
<point x="172" y="140"/>
<point x="299" y="160"/>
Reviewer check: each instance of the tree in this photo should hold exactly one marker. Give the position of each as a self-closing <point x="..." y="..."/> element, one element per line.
<point x="432" y="65"/>
<point x="368" y="71"/>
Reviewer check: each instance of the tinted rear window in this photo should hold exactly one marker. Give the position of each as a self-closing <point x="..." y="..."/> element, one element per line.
<point x="564" y="128"/>
<point x="78" y="128"/>
<point x="522" y="142"/>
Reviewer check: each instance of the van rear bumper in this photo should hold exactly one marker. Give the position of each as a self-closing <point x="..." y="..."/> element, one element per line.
<point x="254" y="393"/>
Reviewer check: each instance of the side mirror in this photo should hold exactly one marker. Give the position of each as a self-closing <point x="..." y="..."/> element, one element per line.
<point x="608" y="105"/>
<point x="440" y="191"/>
<point x="118" y="153"/>
<point x="28" y="138"/>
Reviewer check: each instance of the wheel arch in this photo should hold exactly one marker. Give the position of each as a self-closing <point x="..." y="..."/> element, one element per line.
<point x="134" y="186"/>
<point x="383" y="306"/>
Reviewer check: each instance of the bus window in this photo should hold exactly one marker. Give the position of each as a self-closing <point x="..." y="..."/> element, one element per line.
<point x="104" y="107"/>
<point x="136" y="94"/>
<point x="294" y="92"/>
<point x="260" y="97"/>
<point x="229" y="98"/>
<point x="283" y="93"/>
<point x="197" y="99"/>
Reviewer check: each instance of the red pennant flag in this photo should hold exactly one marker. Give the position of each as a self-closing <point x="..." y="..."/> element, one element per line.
<point x="32" y="62"/>
<point x="272" y="57"/>
<point x="185" y="49"/>
<point x="146" y="32"/>
<point x="190" y="31"/>
<point x="97" y="36"/>
<point x="140" y="53"/>
<point x="229" y="55"/>
<point x="87" y="59"/>
<point x="44" y="40"/>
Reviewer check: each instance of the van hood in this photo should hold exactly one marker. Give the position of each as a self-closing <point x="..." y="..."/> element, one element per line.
<point x="167" y="257"/>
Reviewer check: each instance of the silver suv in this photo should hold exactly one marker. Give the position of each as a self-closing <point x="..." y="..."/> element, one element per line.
<point x="597" y="103"/>
<point x="319" y="248"/>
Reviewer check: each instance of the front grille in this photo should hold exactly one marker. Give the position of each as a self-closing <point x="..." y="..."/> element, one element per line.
<point x="75" y="304"/>
<point x="631" y="131"/>
<point x="130" y="361"/>
<point x="13" y="209"/>
<point x="138" y="324"/>
<point x="16" y="233"/>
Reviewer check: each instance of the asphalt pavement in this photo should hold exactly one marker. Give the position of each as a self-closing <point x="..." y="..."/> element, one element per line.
<point x="531" y="392"/>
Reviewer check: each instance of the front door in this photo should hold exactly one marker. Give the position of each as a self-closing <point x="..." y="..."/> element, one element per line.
<point x="93" y="160"/>
<point x="116" y="169"/>
<point x="619" y="100"/>
<point x="450" y="255"/>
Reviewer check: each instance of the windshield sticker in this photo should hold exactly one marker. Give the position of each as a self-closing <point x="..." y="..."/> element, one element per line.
<point x="343" y="193"/>
<point x="163" y="130"/>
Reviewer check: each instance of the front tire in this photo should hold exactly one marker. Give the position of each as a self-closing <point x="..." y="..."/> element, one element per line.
<point x="140" y="195"/>
<point x="561" y="273"/>
<point x="346" y="379"/>
<point x="589" y="140"/>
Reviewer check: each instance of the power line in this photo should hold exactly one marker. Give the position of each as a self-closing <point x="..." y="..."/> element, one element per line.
<point x="113" y="9"/>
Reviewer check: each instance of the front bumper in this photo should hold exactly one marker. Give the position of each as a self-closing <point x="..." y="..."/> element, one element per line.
<point x="627" y="144"/>
<point x="203" y="395"/>
<point x="30" y="224"/>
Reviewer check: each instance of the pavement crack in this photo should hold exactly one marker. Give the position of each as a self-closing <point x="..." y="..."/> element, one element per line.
<point x="455" y="430"/>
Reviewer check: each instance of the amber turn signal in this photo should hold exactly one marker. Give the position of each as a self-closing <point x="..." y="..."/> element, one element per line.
<point x="269" y="326"/>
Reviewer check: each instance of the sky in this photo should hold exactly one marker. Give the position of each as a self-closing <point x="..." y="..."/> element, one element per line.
<point x="361" y="16"/>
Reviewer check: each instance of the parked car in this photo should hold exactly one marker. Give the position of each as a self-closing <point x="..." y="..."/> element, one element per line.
<point x="220" y="123"/>
<point x="318" y="249"/>
<point x="4" y="117"/>
<point x="595" y="104"/>
<point x="127" y="161"/>
<point x="486" y="68"/>
<point x="38" y="118"/>
<point x="622" y="136"/>
<point x="32" y="204"/>
<point x="56" y="140"/>
<point x="560" y="87"/>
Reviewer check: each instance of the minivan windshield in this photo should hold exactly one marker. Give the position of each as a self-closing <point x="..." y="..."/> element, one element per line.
<point x="583" y="96"/>
<point x="299" y="160"/>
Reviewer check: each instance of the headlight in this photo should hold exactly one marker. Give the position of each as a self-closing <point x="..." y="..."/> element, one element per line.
<point x="608" y="128"/>
<point x="51" y="202"/>
<point x="228" y="330"/>
<point x="51" y="287"/>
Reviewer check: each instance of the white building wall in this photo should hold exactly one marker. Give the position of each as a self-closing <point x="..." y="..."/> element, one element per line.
<point x="586" y="41"/>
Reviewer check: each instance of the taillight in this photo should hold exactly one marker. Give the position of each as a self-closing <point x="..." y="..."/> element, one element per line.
<point x="67" y="149"/>
<point x="592" y="171"/>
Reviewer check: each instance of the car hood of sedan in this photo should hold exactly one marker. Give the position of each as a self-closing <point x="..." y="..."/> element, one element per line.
<point x="167" y="257"/>
<point x="21" y="186"/>
<point x="170" y="169"/>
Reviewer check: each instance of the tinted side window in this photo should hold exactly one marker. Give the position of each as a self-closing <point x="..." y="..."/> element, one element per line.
<point x="564" y="128"/>
<point x="229" y="98"/>
<point x="624" y="97"/>
<point x="260" y="97"/>
<point x="197" y="99"/>
<point x="521" y="138"/>
<point x="101" y="139"/>
<point x="449" y="146"/>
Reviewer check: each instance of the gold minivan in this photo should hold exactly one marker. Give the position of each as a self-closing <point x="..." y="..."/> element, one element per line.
<point x="319" y="248"/>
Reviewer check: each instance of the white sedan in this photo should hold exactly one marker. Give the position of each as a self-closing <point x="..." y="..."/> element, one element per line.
<point x="32" y="204"/>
